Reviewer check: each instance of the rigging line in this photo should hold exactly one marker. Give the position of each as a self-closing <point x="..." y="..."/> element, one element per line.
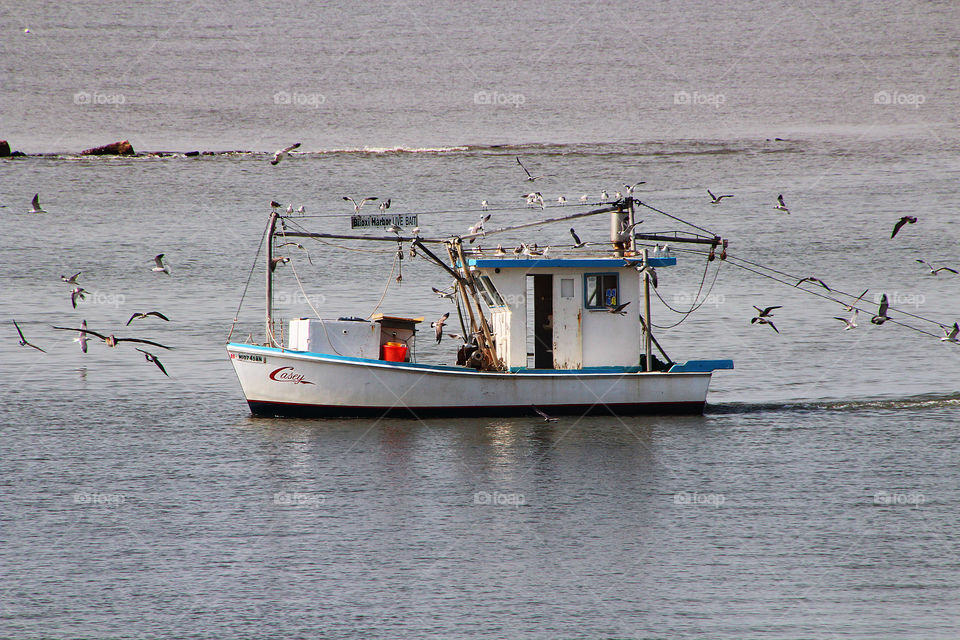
<point x="821" y="295"/>
<point x="236" y="316"/>
<point x="906" y="313"/>
<point x="387" y="286"/>
<point x="333" y="244"/>
<point x="299" y="283"/>
<point x="696" y="304"/>
<point x="689" y="224"/>
<point x="487" y="210"/>
<point x="702" y="302"/>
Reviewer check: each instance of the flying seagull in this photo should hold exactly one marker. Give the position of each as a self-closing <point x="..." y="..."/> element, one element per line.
<point x="766" y="312"/>
<point x="577" y="242"/>
<point x="23" y="340"/>
<point x="813" y="280"/>
<point x="384" y="205"/>
<point x="851" y="322"/>
<point x="438" y="326"/>
<point x="282" y="153"/>
<point x="82" y="338"/>
<point x="160" y="268"/>
<point x="764" y="320"/>
<point x="546" y="418"/>
<point x="781" y="206"/>
<point x="36" y="208"/>
<point x="530" y="178"/>
<point x="449" y="293"/>
<point x="881" y="316"/>
<point x="618" y="309"/>
<point x="72" y="279"/>
<point x="949" y="334"/>
<point x="716" y="199"/>
<point x="902" y="221"/>
<point x="630" y="187"/>
<point x="357" y="207"/>
<point x="850" y="307"/>
<point x="154" y="359"/>
<point x="140" y="316"/>
<point x="78" y="292"/>
<point x="111" y="340"/>
<point x="534" y="197"/>
<point x="935" y="272"/>
<point x="624" y="235"/>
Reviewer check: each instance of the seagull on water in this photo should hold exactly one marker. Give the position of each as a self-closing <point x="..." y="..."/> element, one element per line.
<point x="23" y="341"/>
<point x="530" y="178"/>
<point x="72" y="279"/>
<point x="140" y="316"/>
<point x="881" y="316"/>
<point x="282" y="153"/>
<point x="851" y="322"/>
<point x="902" y="221"/>
<point x="35" y="206"/>
<point x="716" y="199"/>
<point x="546" y="418"/>
<point x="577" y="242"/>
<point x="357" y="207"/>
<point x="949" y="334"/>
<point x="438" y="326"/>
<point x="781" y="206"/>
<point x="149" y="357"/>
<point x="935" y="272"/>
<point x="160" y="268"/>
<point x="111" y="340"/>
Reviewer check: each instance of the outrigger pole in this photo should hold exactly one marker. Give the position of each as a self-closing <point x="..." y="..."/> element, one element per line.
<point x="271" y="227"/>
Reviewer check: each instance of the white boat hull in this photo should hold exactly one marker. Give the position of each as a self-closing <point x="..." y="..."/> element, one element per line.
<point x="282" y="382"/>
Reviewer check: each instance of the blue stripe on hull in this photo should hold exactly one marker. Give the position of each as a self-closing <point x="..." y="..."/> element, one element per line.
<point x="283" y="409"/>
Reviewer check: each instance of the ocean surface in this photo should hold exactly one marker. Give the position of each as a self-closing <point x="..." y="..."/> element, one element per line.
<point x="817" y="497"/>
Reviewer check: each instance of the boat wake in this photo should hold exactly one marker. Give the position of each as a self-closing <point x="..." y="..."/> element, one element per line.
<point x="881" y="404"/>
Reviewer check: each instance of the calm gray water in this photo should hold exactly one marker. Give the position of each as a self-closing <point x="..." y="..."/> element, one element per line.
<point x="816" y="498"/>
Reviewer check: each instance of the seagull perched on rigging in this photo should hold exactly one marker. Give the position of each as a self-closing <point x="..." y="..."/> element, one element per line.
<point x="562" y="200"/>
<point x="781" y="207"/>
<point x="478" y="227"/>
<point x="902" y="221"/>
<point x="275" y="205"/>
<point x="111" y="340"/>
<point x="716" y="199"/>
<point x="949" y="334"/>
<point x="851" y="322"/>
<point x="282" y="153"/>
<point x="628" y="188"/>
<point x="160" y="267"/>
<point x="935" y="272"/>
<point x="881" y="316"/>
<point x="35" y="207"/>
<point x="813" y="280"/>
<point x="393" y="228"/>
<point x="438" y="326"/>
<point x="72" y="279"/>
<point x="584" y="198"/>
<point x="530" y="178"/>
<point x="577" y="242"/>
<point x="534" y="197"/>
<point x="484" y="205"/>
<point x="154" y="359"/>
<point x="384" y="205"/>
<point x="298" y="246"/>
<point x="357" y="207"/>
<point x="276" y="262"/>
<point x="23" y="341"/>
<point x="140" y="316"/>
<point x="604" y="195"/>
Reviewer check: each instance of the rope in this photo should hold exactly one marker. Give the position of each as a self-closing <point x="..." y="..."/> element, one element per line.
<point x="299" y="283"/>
<point x="236" y="316"/>
<point x="689" y="224"/>
<point x="386" y="286"/>
<point x="687" y="314"/>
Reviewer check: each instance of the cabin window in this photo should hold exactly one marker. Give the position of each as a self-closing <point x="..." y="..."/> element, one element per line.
<point x="489" y="293"/>
<point x="601" y="290"/>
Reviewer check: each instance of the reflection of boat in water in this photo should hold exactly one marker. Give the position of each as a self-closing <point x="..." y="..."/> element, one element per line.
<point x="591" y="352"/>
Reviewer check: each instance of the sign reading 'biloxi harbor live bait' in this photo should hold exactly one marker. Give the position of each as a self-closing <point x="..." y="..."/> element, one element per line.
<point x="378" y="221"/>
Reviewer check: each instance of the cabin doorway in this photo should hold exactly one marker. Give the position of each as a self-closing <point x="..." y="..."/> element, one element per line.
<point x="540" y="320"/>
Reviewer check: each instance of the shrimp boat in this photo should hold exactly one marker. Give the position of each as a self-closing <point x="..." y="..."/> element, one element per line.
<point x="589" y="323"/>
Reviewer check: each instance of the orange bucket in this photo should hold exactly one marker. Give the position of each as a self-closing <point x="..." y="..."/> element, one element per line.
<point x="394" y="352"/>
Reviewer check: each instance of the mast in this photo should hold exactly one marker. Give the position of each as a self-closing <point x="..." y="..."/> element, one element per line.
<point x="271" y="227"/>
<point x="648" y="325"/>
